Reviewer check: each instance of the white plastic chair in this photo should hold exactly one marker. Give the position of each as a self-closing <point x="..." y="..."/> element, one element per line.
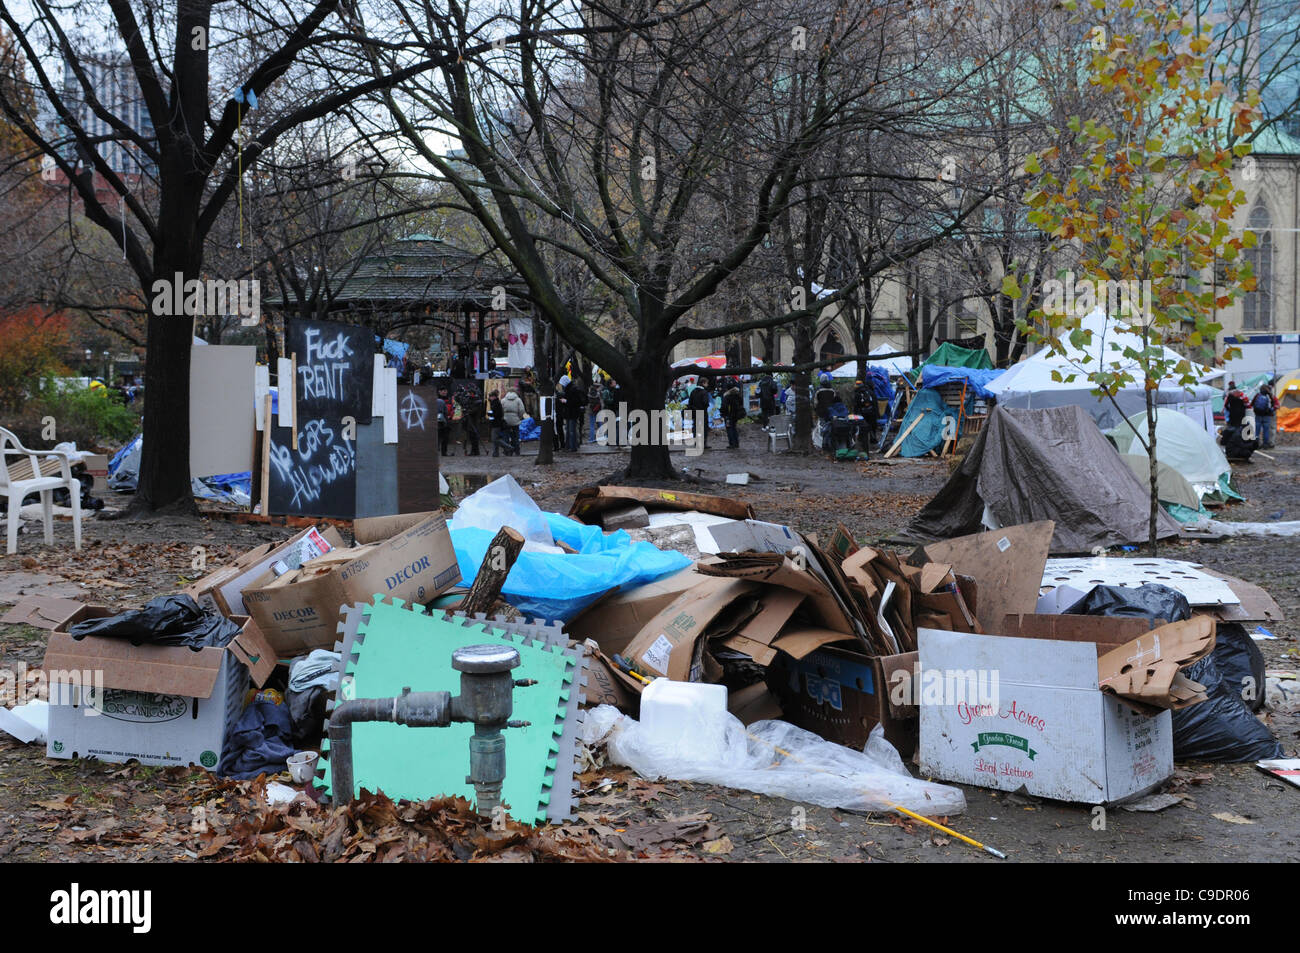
<point x="780" y="424"/>
<point x="16" y="490"/>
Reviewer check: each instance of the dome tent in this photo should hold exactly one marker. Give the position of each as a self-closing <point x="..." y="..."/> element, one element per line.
<point x="1180" y="443"/>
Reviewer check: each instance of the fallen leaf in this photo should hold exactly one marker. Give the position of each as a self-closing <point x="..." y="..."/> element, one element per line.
<point x="1232" y="818"/>
<point x="722" y="845"/>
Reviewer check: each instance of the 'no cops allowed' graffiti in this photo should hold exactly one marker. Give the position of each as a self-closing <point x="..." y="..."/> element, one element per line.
<point x="322" y="458"/>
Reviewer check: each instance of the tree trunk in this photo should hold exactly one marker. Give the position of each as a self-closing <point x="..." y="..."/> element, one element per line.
<point x="803" y="417"/>
<point x="645" y="401"/>
<point x="1153" y="463"/>
<point x="164" y="457"/>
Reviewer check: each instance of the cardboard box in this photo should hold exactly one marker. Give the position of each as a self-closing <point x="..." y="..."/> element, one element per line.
<point x="96" y="465"/>
<point x="155" y="704"/>
<point x="841" y="695"/>
<point x="614" y="620"/>
<point x="300" y="611"/>
<point x="376" y="529"/>
<point x="222" y="589"/>
<point x="1050" y="729"/>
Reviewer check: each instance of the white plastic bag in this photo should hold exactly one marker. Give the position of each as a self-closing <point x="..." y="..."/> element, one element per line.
<point x="775" y="758"/>
<point x="503" y="502"/>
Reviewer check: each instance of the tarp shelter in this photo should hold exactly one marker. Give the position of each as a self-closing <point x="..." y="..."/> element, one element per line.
<point x="1288" y="393"/>
<point x="948" y="354"/>
<point x="927" y="435"/>
<point x="1052" y="464"/>
<point x="1179" y="443"/>
<point x="977" y="378"/>
<point x="1030" y="384"/>
<point x="884" y="357"/>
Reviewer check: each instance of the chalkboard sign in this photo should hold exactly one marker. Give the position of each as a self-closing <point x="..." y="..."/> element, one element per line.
<point x="335" y="381"/>
<point x="336" y="369"/>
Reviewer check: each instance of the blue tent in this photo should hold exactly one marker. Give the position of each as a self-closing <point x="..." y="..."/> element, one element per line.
<point x="977" y="378"/>
<point x="928" y="434"/>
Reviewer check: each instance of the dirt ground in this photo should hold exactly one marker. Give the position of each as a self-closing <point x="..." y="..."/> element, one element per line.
<point x="56" y="810"/>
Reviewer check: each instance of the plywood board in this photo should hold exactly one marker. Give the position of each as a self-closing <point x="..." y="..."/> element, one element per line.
<point x="222" y="416"/>
<point x="417" y="450"/>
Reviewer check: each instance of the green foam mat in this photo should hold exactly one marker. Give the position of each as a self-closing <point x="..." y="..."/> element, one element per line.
<point x="396" y="648"/>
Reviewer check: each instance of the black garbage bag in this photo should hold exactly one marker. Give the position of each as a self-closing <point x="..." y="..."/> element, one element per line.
<point x="1240" y="662"/>
<point x="61" y="497"/>
<point x="1221" y="728"/>
<point x="1234" y="446"/>
<point x="1152" y="601"/>
<point x="166" y="620"/>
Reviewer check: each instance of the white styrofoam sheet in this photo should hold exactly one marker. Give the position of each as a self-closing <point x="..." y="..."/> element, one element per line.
<point x="1085" y="573"/>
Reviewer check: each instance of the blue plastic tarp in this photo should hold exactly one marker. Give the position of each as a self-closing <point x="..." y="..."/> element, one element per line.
<point x="880" y="384"/>
<point x="559" y="585"/>
<point x="529" y="429"/>
<point x="928" y="434"/>
<point x="978" y="378"/>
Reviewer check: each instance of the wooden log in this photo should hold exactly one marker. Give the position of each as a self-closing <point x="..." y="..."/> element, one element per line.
<point x="502" y="552"/>
<point x="902" y="436"/>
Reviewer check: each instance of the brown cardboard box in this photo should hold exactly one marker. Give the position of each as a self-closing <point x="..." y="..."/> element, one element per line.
<point x="841" y="695"/>
<point x="222" y="589"/>
<point x="614" y="620"/>
<point x="375" y="529"/>
<point x="96" y="465"/>
<point x="300" y="611"/>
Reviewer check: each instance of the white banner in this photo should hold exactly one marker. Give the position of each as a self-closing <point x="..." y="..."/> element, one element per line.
<point x="521" y="342"/>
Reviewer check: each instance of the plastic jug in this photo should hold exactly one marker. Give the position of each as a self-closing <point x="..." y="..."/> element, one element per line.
<point x="671" y="710"/>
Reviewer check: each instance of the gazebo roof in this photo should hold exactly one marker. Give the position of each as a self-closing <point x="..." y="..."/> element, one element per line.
<point x="421" y="271"/>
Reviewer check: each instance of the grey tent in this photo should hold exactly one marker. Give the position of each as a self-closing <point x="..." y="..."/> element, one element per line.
<point x="1171" y="486"/>
<point x="1052" y="464"/>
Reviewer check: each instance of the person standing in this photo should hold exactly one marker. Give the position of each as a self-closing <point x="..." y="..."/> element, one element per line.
<point x="613" y="399"/>
<point x="467" y="398"/>
<point x="575" y="406"/>
<point x="497" y="423"/>
<point x="698" y="403"/>
<point x="733" y="409"/>
<point x="444" y="423"/>
<point x="1265" y="407"/>
<point x="593" y="407"/>
<point x="1234" y="405"/>
<point x="766" y="399"/>
<point x="513" y="413"/>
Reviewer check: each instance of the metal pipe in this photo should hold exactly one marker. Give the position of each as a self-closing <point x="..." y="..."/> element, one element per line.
<point x="417" y="709"/>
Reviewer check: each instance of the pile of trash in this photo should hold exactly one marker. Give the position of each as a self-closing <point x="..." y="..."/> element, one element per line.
<point x="671" y="632"/>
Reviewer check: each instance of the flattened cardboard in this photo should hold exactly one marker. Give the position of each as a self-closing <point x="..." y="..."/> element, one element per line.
<point x="1006" y="564"/>
<point x="1256" y="604"/>
<point x="776" y="570"/>
<point x="753" y="703"/>
<point x="666" y="645"/>
<point x="615" y="619"/>
<point x="799" y="641"/>
<point x="54" y="613"/>
<point x="1106" y="632"/>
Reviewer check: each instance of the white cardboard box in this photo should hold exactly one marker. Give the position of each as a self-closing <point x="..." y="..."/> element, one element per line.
<point x="1051" y="730"/>
<point x="154" y="704"/>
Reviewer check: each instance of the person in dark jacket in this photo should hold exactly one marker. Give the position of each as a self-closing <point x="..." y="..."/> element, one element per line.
<point x="1234" y="405"/>
<point x="575" y="408"/>
<point x="497" y="423"/>
<point x="766" y="399"/>
<point x="698" y="403"/>
<point x="444" y="421"/>
<point x="733" y="409"/>
<point x="1265" y="407"/>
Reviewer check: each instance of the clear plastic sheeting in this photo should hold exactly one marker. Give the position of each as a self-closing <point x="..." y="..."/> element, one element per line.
<point x="777" y="759"/>
<point x="503" y="502"/>
<point x="1222" y="528"/>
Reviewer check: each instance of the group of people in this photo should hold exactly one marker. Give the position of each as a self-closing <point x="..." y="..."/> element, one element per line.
<point x="506" y="411"/>
<point x="1264" y="404"/>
